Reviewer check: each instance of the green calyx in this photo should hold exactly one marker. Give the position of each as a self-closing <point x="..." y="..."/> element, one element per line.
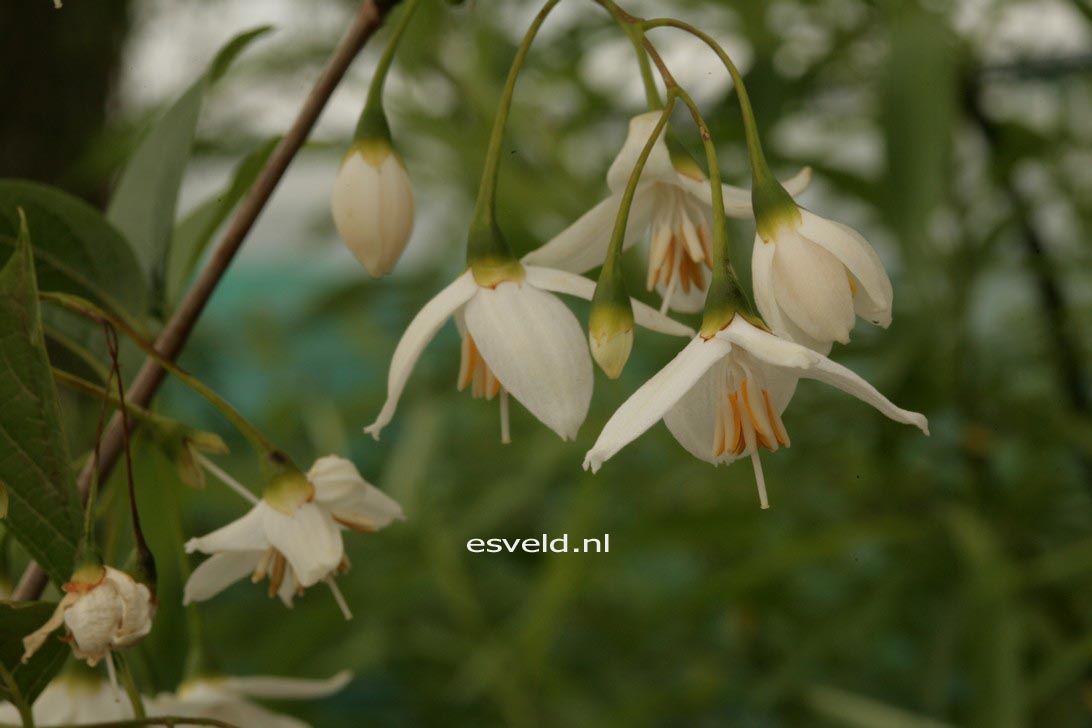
<point x="288" y="488"/>
<point x="87" y="574"/>
<point x="683" y="162"/>
<point x="611" y="309"/>
<point x="774" y="208"/>
<point x="374" y="150"/>
<point x="725" y="299"/>
<point x="373" y="125"/>
<point x="489" y="257"/>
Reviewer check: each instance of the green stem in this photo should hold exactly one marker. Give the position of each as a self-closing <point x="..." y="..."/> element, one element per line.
<point x="17" y="699"/>
<point x="130" y="686"/>
<point x="485" y="209"/>
<point x="635" y="31"/>
<point x="759" y="168"/>
<point x="720" y="220"/>
<point x="85" y="308"/>
<point x="79" y="350"/>
<point x="614" y="251"/>
<point x="373" y="121"/>
<point x="79" y="384"/>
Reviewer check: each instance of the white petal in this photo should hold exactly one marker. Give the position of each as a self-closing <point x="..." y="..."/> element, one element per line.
<point x="286" y="688"/>
<point x="682" y="301"/>
<point x="765" y="346"/>
<point x="243" y="534"/>
<point x="657" y="167"/>
<point x="419" y="333"/>
<point x="737" y="200"/>
<point x="762" y="276"/>
<point x="655" y="397"/>
<point x="812" y="288"/>
<point x="583" y="245"/>
<point x="692" y="419"/>
<point x="218" y="573"/>
<point x="309" y="540"/>
<point x="575" y="285"/>
<point x="334" y="478"/>
<point x="838" y="376"/>
<point x="536" y="348"/>
<point x="813" y="365"/>
<point x="854" y="252"/>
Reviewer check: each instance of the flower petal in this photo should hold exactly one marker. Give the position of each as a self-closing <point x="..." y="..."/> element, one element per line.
<point x="762" y="275"/>
<point x="655" y="397"/>
<point x="838" y="376"/>
<point x="859" y="258"/>
<point x="559" y="281"/>
<point x="218" y="573"/>
<point x="812" y="288"/>
<point x="286" y="688"/>
<point x="812" y="365"/>
<point x="243" y="534"/>
<point x="583" y="245"/>
<point x="537" y="350"/>
<point x="334" y="478"/>
<point x="737" y="200"/>
<point x="309" y="540"/>
<point x="658" y="167"/>
<point x="419" y="333"/>
<point x="692" y="419"/>
<point x="34" y="641"/>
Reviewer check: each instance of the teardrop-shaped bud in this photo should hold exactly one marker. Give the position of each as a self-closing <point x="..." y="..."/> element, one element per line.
<point x="373" y="204"/>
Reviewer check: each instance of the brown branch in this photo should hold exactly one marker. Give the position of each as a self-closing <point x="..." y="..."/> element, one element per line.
<point x="174" y="335"/>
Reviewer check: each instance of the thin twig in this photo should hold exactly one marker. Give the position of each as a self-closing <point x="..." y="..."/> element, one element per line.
<point x="166" y="720"/>
<point x="170" y="342"/>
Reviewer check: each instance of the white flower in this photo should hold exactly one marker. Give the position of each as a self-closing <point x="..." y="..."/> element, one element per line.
<point x="228" y="699"/>
<point x="673" y="203"/>
<point x="71" y="699"/>
<point x="293" y="534"/>
<point x="813" y="277"/>
<point x="517" y="338"/>
<point x="103" y="609"/>
<point x="373" y="205"/>
<point x="722" y="397"/>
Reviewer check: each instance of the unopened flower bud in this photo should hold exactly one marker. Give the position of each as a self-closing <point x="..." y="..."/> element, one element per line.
<point x="610" y="328"/>
<point x="373" y="204"/>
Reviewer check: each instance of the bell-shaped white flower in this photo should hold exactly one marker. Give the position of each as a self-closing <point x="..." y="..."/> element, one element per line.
<point x="103" y="609"/>
<point x="372" y="204"/>
<point x="722" y="397"/>
<point x="292" y="535"/>
<point x="813" y="277"/>
<point x="230" y="699"/>
<point x="673" y="202"/>
<point x="71" y="699"/>
<point x="518" y="338"/>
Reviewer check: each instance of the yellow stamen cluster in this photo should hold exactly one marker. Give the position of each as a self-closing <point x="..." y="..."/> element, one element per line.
<point x="746" y="419"/>
<point x="475" y="372"/>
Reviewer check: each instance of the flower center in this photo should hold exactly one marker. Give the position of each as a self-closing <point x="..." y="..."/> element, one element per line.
<point x="274" y="565"/>
<point x="746" y="419"/>
<point x="473" y="371"/>
<point x="681" y="250"/>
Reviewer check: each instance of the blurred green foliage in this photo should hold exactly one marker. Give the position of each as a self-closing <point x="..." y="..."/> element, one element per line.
<point x="896" y="581"/>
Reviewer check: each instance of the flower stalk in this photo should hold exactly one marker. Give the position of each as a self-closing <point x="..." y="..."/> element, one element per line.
<point x="773" y="205"/>
<point x="373" y="120"/>
<point x="81" y="306"/>
<point x="487" y="252"/>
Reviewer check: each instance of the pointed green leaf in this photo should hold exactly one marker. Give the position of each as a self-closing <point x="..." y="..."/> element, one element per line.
<point x="44" y="511"/>
<point x="144" y="203"/>
<point x="76" y="249"/>
<point x="193" y="234"/>
<point x="17" y="620"/>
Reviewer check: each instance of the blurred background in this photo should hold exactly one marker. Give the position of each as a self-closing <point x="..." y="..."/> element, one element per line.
<point x="897" y="580"/>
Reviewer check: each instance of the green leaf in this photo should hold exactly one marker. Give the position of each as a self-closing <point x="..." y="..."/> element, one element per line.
<point x="17" y="620"/>
<point x="193" y="233"/>
<point x="44" y="511"/>
<point x="144" y="203"/>
<point x="76" y="249"/>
